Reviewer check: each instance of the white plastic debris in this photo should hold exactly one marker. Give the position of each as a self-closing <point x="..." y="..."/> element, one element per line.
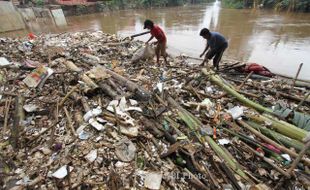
<point x="62" y="172"/>
<point x="91" y="156"/>
<point x="207" y="103"/>
<point x="153" y="180"/>
<point x="134" y="109"/>
<point x="160" y="86"/>
<point x="94" y="123"/>
<point x="286" y="157"/>
<point x="236" y="112"/>
<point x="146" y="52"/>
<point x="30" y="108"/>
<point x="122" y="104"/>
<point x="224" y="141"/>
<point x="4" y="62"/>
<point x="133" y="102"/>
<point x="129" y="131"/>
<point x="92" y="113"/>
<point x="209" y="89"/>
<point x="83" y="135"/>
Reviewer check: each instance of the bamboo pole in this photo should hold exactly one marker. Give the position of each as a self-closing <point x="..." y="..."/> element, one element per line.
<point x="280" y="126"/>
<point x="215" y="79"/>
<point x="194" y="124"/>
<point x="288" y="142"/>
<point x="302" y="101"/>
<point x="266" y="139"/>
<point x="301" y="154"/>
<point x="296" y="76"/>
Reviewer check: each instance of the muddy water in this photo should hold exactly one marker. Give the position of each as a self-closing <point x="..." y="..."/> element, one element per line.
<point x="279" y="41"/>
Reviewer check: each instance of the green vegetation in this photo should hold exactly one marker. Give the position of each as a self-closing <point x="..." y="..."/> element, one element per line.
<point x="122" y="4"/>
<point x="280" y="5"/>
<point x="39" y="3"/>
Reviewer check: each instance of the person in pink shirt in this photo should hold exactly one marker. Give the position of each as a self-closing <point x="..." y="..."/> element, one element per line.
<point x="159" y="34"/>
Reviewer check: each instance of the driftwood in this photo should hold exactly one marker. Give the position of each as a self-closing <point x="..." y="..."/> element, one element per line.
<point x="19" y="116"/>
<point x="123" y="81"/>
<point x="70" y="123"/>
<point x="301" y="154"/>
<point x="296" y="76"/>
<point x="107" y="89"/>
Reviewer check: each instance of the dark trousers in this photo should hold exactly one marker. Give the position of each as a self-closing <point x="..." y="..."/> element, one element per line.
<point x="217" y="54"/>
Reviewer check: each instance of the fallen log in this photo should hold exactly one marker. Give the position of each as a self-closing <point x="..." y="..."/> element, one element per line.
<point x="17" y="127"/>
<point x="123" y="81"/>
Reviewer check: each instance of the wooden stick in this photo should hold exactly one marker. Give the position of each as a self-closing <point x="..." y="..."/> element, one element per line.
<point x="39" y="135"/>
<point x="302" y="101"/>
<point x="140" y="34"/>
<point x="67" y="96"/>
<point x="296" y="161"/>
<point x="6" y="116"/>
<point x="244" y="81"/>
<point x="70" y="124"/>
<point x="296" y="76"/>
<point x="18" y="117"/>
<point x="107" y="89"/>
<point x="196" y="181"/>
<point x="52" y="139"/>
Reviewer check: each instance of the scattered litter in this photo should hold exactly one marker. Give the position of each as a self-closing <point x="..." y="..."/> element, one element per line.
<point x="30" y="108"/>
<point x="153" y="180"/>
<point x="92" y="113"/>
<point x="4" y="62"/>
<point x="62" y="172"/>
<point x="125" y="150"/>
<point x="38" y="76"/>
<point x="91" y="156"/>
<point x="236" y="112"/>
<point x="224" y="141"/>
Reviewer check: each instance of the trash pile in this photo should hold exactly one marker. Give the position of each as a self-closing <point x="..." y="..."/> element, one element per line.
<point x="77" y="113"/>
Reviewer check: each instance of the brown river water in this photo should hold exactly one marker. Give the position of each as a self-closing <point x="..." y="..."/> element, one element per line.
<point x="279" y="41"/>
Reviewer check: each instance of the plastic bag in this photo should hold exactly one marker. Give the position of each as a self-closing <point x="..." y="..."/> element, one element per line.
<point x="146" y="52"/>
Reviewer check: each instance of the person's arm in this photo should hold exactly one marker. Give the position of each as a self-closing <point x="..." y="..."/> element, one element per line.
<point x="207" y="47"/>
<point x="151" y="38"/>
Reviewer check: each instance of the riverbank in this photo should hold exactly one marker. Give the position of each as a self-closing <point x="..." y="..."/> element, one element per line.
<point x="76" y="112"/>
<point x="283" y="5"/>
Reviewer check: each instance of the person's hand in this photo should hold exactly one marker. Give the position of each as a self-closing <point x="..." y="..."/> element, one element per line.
<point x="146" y="43"/>
<point x="201" y="55"/>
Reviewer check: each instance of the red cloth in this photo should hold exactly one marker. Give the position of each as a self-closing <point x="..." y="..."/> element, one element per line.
<point x="31" y="36"/>
<point x="258" y="69"/>
<point x="158" y="33"/>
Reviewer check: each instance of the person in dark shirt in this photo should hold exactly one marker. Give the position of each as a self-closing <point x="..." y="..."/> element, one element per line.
<point x="217" y="44"/>
<point x="159" y="34"/>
